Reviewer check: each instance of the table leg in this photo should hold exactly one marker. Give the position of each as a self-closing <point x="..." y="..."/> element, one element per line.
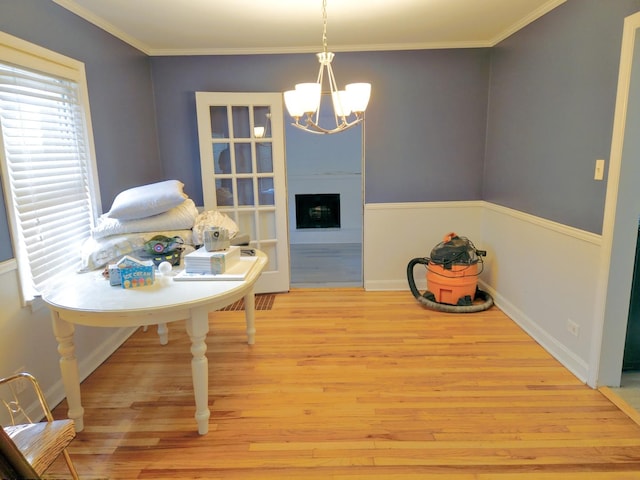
<point x="163" y="333"/>
<point x="197" y="328"/>
<point x="63" y="332"/>
<point x="250" y="316"/>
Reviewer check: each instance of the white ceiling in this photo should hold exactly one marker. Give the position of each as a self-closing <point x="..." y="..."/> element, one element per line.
<point x="208" y="27"/>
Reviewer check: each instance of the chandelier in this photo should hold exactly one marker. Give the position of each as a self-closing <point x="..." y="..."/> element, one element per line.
<point x="349" y="104"/>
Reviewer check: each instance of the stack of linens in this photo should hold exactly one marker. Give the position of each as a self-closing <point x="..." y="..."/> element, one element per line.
<point x="137" y="215"/>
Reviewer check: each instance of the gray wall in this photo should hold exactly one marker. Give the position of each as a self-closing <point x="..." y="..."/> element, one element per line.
<point x="553" y="89"/>
<point x="425" y="124"/>
<point x="425" y="132"/>
<point x="120" y="89"/>
<point x="6" y="248"/>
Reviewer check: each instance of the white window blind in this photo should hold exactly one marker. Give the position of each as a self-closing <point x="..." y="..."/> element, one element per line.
<point x="47" y="164"/>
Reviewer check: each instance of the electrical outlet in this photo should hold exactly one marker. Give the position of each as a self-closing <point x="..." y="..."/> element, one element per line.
<point x="21" y="384"/>
<point x="599" y="173"/>
<point x="573" y="328"/>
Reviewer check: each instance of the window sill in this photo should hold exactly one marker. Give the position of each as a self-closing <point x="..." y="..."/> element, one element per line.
<point x="8" y="266"/>
<point x="37" y="304"/>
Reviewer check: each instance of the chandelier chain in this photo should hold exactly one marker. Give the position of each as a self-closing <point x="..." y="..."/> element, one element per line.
<point x="324" y="25"/>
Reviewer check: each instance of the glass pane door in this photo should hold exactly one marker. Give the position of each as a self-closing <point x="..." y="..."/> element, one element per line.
<point x="243" y="172"/>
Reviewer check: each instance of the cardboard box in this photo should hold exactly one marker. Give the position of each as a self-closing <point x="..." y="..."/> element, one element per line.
<point x="130" y="272"/>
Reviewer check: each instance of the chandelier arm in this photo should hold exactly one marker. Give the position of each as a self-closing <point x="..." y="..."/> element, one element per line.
<point x="312" y="127"/>
<point x="305" y="129"/>
<point x="319" y="81"/>
<point x="333" y="87"/>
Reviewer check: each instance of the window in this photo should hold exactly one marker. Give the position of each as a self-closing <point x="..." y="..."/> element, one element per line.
<point x="48" y="167"/>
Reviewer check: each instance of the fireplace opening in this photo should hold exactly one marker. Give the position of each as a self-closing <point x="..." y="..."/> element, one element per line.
<point x="318" y="210"/>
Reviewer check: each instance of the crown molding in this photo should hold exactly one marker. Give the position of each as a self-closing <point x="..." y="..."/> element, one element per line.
<point x="313" y="50"/>
<point x="101" y="23"/>
<point x="543" y="10"/>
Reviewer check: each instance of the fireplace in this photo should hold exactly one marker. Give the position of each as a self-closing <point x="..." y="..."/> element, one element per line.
<point x="318" y="210"/>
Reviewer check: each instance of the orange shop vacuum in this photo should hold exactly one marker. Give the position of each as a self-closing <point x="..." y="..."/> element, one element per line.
<point x="452" y="277"/>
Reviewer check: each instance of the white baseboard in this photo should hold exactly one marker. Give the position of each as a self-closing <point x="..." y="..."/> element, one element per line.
<point x="560" y="352"/>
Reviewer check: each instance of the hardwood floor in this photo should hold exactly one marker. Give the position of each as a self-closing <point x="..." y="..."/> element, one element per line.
<point x="344" y="384"/>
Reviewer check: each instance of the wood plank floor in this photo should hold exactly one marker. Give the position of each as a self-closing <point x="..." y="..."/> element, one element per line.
<point x="344" y="384"/>
<point x="629" y="389"/>
<point x="326" y="265"/>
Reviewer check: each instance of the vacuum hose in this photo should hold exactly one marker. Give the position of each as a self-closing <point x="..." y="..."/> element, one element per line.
<point x="428" y="298"/>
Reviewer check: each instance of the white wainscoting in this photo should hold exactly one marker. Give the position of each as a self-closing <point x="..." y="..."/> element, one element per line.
<point x="543" y="274"/>
<point x="540" y="273"/>
<point x="394" y="233"/>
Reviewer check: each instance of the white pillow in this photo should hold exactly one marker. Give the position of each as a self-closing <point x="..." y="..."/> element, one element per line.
<point x="147" y="200"/>
<point x="178" y="218"/>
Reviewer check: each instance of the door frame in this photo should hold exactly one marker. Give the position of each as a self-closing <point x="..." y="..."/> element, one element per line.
<point x="618" y="239"/>
<point x="362" y="138"/>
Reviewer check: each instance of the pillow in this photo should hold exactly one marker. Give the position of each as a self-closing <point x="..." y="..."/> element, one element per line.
<point x="178" y="218"/>
<point x="147" y="200"/>
<point x="212" y="218"/>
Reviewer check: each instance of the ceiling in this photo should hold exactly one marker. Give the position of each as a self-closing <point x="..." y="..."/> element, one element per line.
<point x="210" y="27"/>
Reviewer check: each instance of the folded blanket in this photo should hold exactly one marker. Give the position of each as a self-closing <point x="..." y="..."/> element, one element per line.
<point x="99" y="252"/>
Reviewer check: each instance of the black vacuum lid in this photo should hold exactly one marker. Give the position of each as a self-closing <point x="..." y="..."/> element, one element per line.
<point x="454" y="250"/>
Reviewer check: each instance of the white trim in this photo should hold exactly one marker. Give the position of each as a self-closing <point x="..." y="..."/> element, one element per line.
<point x="101" y="23"/>
<point x="569" y="359"/>
<point x="421" y="205"/>
<point x="27" y="54"/>
<point x="8" y="266"/>
<point x="548" y="224"/>
<point x="533" y="16"/>
<point x="383" y="47"/>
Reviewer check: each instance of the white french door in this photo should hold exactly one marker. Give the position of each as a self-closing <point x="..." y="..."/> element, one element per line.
<point x="242" y="158"/>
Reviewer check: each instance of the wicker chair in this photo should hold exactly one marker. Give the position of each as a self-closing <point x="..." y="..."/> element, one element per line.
<point x="39" y="443"/>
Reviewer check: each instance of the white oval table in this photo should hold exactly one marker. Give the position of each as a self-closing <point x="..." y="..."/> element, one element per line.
<point x="88" y="299"/>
